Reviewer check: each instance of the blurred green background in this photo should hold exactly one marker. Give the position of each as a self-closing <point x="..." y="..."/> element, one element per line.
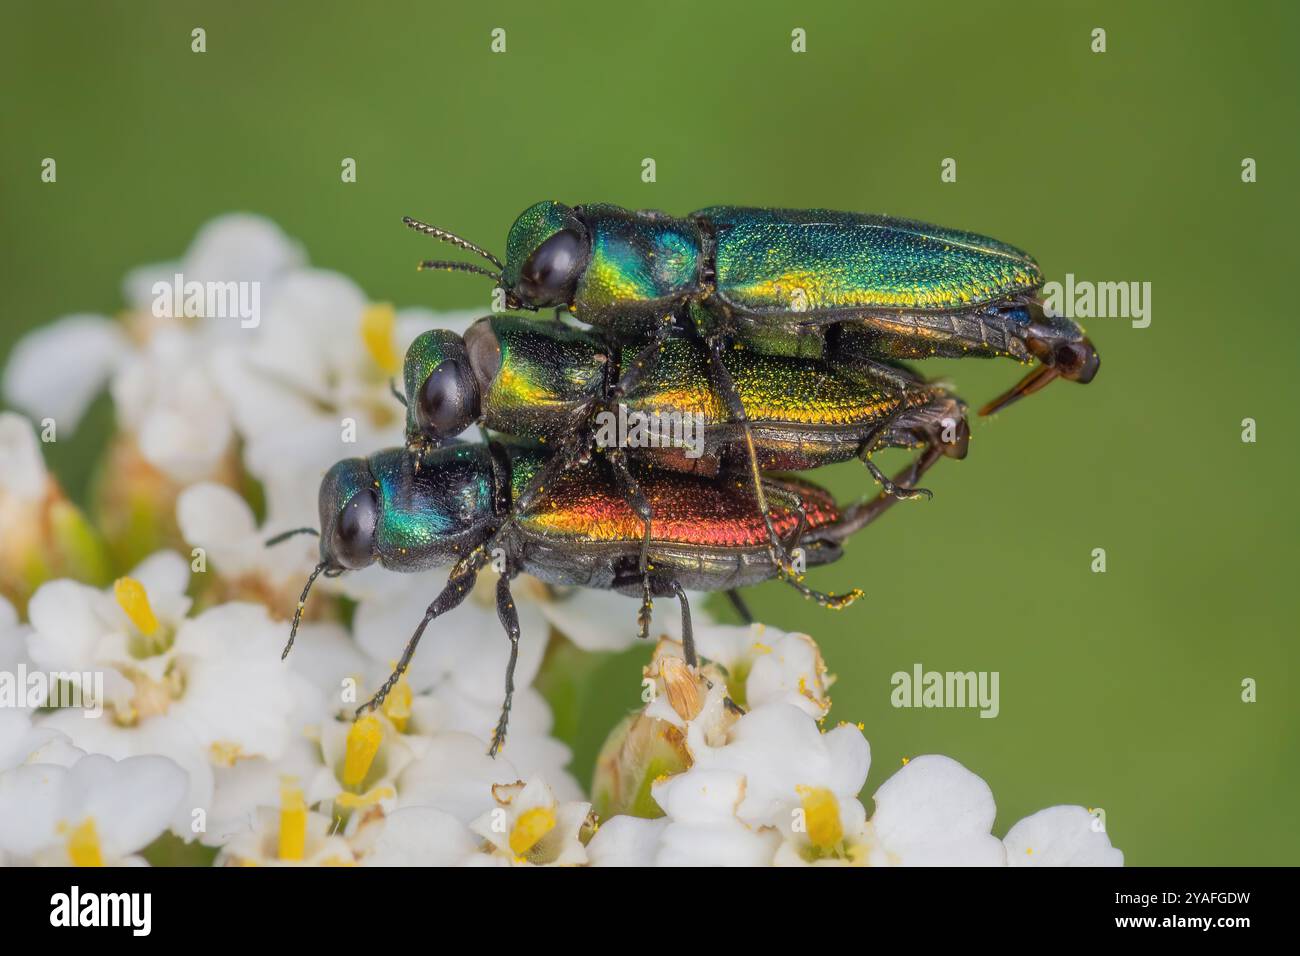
<point x="1119" y="690"/>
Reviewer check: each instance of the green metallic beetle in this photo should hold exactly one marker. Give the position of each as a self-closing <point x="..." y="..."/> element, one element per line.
<point x="774" y="275"/>
<point x="566" y="387"/>
<point x="470" y="505"/>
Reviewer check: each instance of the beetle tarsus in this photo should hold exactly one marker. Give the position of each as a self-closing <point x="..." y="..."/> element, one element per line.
<point x="508" y="614"/>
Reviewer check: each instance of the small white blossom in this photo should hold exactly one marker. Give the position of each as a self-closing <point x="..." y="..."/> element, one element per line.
<point x="530" y="827"/>
<point x="97" y="812"/>
<point x="203" y="691"/>
<point x="289" y="836"/>
<point x="704" y="828"/>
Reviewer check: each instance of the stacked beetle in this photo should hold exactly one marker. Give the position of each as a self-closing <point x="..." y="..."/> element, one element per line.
<point x="783" y="332"/>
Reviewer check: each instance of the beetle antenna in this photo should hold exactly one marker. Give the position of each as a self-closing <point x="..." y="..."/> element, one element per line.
<point x="286" y="535"/>
<point x="458" y="267"/>
<point x="302" y="603"/>
<point x="455" y="240"/>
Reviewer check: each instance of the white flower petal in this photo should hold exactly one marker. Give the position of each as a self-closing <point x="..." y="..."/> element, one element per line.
<point x="55" y="371"/>
<point x="456" y="775"/>
<point x="67" y="627"/>
<point x="235" y="646"/>
<point x="22" y="467"/>
<point x="164" y="737"/>
<point x="164" y="574"/>
<point x="1060" y="836"/>
<point x="29" y="816"/>
<point x="132" y="802"/>
<point x="778" y="749"/>
<point x="703" y="829"/>
<point x="236" y="247"/>
<point x="422" y="836"/>
<point x="215" y="518"/>
<point x="936" y="812"/>
<point x="626" y="841"/>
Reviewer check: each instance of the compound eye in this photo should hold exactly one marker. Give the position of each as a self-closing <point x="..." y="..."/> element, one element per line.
<point x="1077" y="361"/>
<point x="551" y="273"/>
<point x="353" y="540"/>
<point x="448" y="400"/>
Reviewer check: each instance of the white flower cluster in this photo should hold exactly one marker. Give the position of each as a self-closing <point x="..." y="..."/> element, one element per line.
<point x="189" y="723"/>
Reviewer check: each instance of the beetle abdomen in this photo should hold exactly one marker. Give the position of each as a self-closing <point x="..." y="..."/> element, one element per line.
<point x="583" y="507"/>
<point x="811" y="262"/>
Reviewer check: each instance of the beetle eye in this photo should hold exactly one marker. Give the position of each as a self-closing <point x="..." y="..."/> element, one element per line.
<point x="353" y="540"/>
<point x="448" y="401"/>
<point x="550" y="274"/>
<point x="1077" y="361"/>
<point x="1066" y="357"/>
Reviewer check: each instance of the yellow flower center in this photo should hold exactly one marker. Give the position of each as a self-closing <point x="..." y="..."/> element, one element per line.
<point x="83" y="844"/>
<point x="821" y="812"/>
<point x="150" y="697"/>
<point x="529" y="829"/>
<point x="293" y="822"/>
<point x="364" y="738"/>
<point x="379" y="333"/>
<point x="132" y="599"/>
<point x="359" y="801"/>
<point x="225" y="752"/>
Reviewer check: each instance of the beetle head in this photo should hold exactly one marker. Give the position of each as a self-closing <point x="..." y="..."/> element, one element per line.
<point x="1069" y="355"/>
<point x="442" y="392"/>
<point x="546" y="253"/>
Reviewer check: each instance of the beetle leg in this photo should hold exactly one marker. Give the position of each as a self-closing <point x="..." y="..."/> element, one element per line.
<point x="644" y="361"/>
<point x="795" y="504"/>
<point x="899" y="379"/>
<point x="632" y="492"/>
<point x="459" y="584"/>
<point x="887" y="484"/>
<point x="561" y="461"/>
<point x="508" y="614"/>
<point x="688" y="634"/>
<point x="638" y="502"/>
<point x="858" y="516"/>
<point x="740" y="606"/>
<point x="833" y="601"/>
<point x="736" y="412"/>
<point x="776" y="548"/>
